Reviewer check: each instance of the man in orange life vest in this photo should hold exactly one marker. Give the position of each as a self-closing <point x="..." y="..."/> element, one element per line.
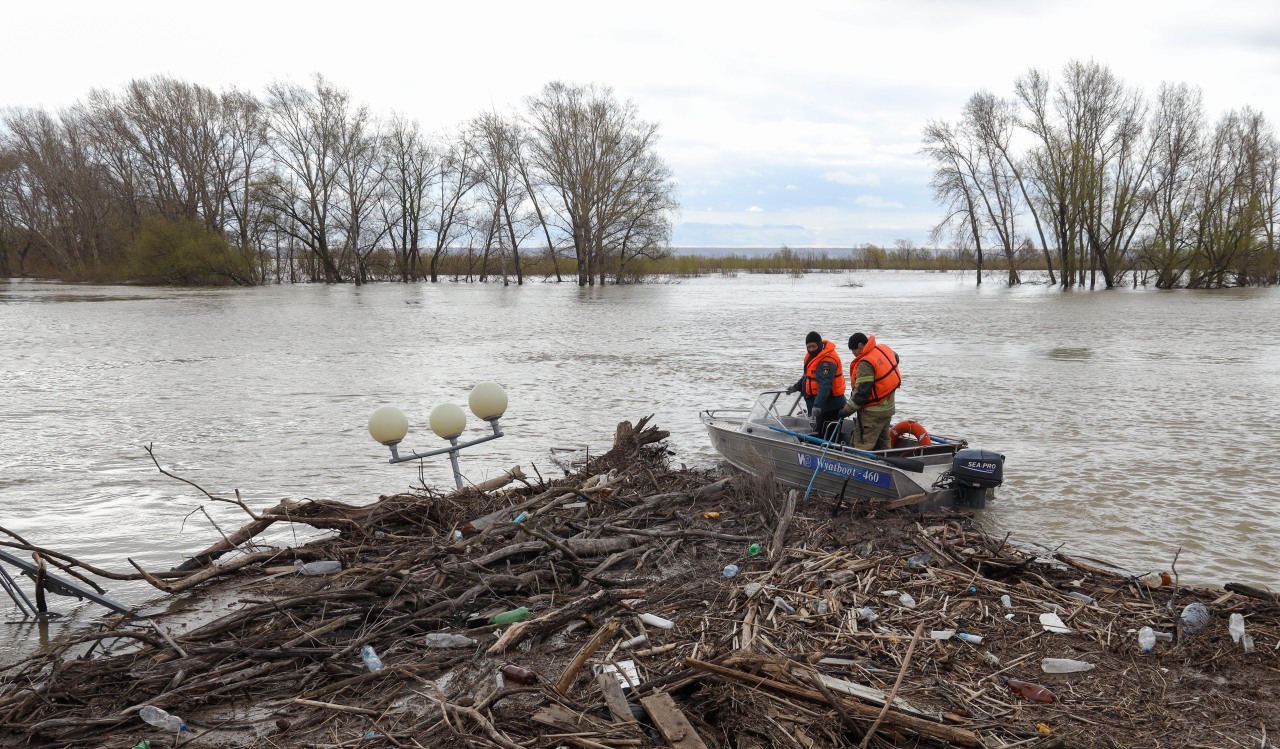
<point x="876" y="378"/>
<point x="822" y="383"/>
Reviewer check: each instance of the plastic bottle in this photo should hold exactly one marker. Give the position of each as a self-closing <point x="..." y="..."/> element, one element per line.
<point x="1006" y="601"/>
<point x="1237" y="627"/>
<point x="866" y="614"/>
<point x="657" y="621"/>
<point x="781" y="603"/>
<point x="991" y="659"/>
<point x="906" y="600"/>
<point x="1194" y="617"/>
<point x="1247" y="641"/>
<point x="524" y="676"/>
<point x="919" y="561"/>
<point x="730" y="570"/>
<point x="447" y="640"/>
<point x="1033" y="692"/>
<point x="370" y="658"/>
<point x="971" y="639"/>
<point x="1146" y="639"/>
<point x="942" y="634"/>
<point x="509" y="617"/>
<point x="635" y="642"/>
<point x="1064" y="666"/>
<point x="1080" y="596"/>
<point x="161" y="719"/>
<point x="325" y="567"/>
<point x="754" y="550"/>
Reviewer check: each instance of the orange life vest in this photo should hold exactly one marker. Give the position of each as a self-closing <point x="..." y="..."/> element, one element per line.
<point x="811" y="362"/>
<point x="884" y="364"/>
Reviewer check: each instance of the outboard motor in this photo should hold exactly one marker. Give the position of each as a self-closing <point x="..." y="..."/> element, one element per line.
<point x="973" y="472"/>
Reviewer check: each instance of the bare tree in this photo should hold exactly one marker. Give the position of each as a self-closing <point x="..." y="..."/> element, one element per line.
<point x="409" y="167"/>
<point x="955" y="154"/>
<point x="1177" y="133"/>
<point x="499" y="140"/>
<point x="455" y="179"/>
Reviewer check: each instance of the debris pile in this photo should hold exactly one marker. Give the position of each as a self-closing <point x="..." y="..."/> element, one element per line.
<point x="633" y="605"/>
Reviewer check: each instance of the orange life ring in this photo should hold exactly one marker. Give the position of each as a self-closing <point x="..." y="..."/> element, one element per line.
<point x="914" y="428"/>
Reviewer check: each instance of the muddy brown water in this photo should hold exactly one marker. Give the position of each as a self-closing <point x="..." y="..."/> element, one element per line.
<point x="1136" y="423"/>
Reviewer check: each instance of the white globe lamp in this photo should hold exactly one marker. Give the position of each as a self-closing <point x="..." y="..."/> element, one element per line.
<point x="388" y="425"/>
<point x="488" y="401"/>
<point x="448" y="421"/>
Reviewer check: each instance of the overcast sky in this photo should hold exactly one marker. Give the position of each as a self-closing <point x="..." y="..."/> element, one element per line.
<point x="793" y="123"/>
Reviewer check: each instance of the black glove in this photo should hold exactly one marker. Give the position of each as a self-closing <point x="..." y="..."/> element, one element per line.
<point x="792" y="389"/>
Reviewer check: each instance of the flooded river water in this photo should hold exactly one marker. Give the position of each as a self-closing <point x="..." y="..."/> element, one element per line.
<point x="1135" y="423"/>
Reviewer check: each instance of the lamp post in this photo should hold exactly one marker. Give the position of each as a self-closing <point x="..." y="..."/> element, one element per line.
<point x="487" y="401"/>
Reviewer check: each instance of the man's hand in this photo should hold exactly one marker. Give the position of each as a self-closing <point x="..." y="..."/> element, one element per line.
<point x="792" y="389"/>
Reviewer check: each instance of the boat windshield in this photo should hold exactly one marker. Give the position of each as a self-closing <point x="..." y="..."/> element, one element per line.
<point x="776" y="408"/>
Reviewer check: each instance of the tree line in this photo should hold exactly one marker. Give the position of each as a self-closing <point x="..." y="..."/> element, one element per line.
<point x="167" y="181"/>
<point x="1108" y="184"/>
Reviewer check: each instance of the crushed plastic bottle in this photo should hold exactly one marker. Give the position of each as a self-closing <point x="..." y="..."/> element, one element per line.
<point x="1156" y="579"/>
<point x="447" y="640"/>
<point x="512" y="616"/>
<point x="1033" y="692"/>
<point x="919" y="561"/>
<point x="161" y="719"/>
<point x="991" y="659"/>
<point x="730" y="570"/>
<point x="971" y="639"/>
<point x="1146" y="639"/>
<point x="906" y="600"/>
<point x="754" y="550"/>
<point x="866" y="614"/>
<point x="635" y="642"/>
<point x="1194" y="617"/>
<point x="781" y="603"/>
<point x="1080" y="596"/>
<point x="1236" y="627"/>
<point x="325" y="567"/>
<point x="370" y="658"/>
<point x="1064" y="666"/>
<point x="1006" y="601"/>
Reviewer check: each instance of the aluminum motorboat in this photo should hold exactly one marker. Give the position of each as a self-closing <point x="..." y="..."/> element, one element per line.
<point x="776" y="437"/>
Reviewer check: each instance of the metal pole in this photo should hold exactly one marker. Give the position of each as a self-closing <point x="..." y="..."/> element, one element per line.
<point x="453" y="458"/>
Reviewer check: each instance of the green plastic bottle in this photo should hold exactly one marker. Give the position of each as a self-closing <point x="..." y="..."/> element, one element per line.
<point x="754" y="550"/>
<point x="508" y="617"/>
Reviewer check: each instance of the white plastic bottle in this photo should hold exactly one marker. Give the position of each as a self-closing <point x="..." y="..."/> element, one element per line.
<point x="1146" y="639"/>
<point x="370" y="658"/>
<point x="447" y="640"/>
<point x="906" y="600"/>
<point x="324" y="567"/>
<point x="1064" y="666"/>
<point x="161" y="719"/>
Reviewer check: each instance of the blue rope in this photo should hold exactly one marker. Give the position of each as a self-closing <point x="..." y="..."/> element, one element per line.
<point x="818" y="466"/>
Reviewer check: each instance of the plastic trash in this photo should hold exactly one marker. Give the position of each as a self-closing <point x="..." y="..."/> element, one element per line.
<point x="942" y="634"/>
<point x="991" y="659"/>
<point x="1006" y="601"/>
<point x="710" y="515"/>
<point x="1194" y="617"/>
<point x="1247" y="641"/>
<point x="635" y="642"/>
<point x="754" y="550"/>
<point x="1156" y="579"/>
<point x="1146" y="639"/>
<point x="781" y="603"/>
<point x="1053" y="623"/>
<point x="823" y="608"/>
<point x="326" y="567"/>
<point x="1033" y="692"/>
<point x="161" y="719"/>
<point x="906" y="600"/>
<point x="370" y="658"/>
<point x="1080" y="596"/>
<point x="971" y="639"/>
<point x="919" y="561"/>
<point x="1236" y="627"/>
<point x="1064" y="666"/>
<point x="509" y="617"/>
<point x="520" y="518"/>
<point x="866" y="614"/>
<point x="730" y="570"/>
<point x="447" y="640"/>
<point x="657" y="621"/>
<point x="519" y="675"/>
<point x="144" y="744"/>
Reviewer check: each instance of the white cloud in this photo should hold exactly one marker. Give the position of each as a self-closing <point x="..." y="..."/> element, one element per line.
<point x="791" y="188"/>
<point x="877" y="202"/>
<point x="842" y="177"/>
<point x="755" y="209"/>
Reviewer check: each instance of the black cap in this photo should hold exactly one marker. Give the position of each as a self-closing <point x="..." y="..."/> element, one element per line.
<point x="856" y="340"/>
<point x="813" y="337"/>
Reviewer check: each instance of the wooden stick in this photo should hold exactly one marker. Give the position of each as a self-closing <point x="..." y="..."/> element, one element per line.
<point x="888" y="702"/>
<point x="571" y="671"/>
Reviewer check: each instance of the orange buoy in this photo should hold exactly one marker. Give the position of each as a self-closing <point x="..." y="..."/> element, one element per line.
<point x="914" y="428"/>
